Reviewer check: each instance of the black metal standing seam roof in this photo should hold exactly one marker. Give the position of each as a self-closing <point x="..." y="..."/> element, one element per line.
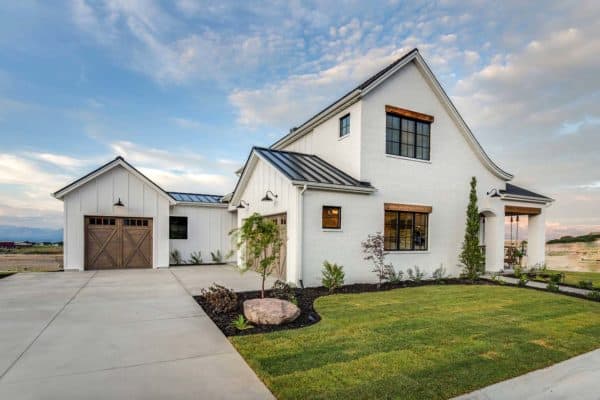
<point x="308" y="168"/>
<point x="519" y="191"/>
<point x="196" y="197"/>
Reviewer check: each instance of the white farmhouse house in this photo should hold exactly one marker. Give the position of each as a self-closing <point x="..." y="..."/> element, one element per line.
<point x="393" y="155"/>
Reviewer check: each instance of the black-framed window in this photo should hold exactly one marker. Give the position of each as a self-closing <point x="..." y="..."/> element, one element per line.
<point x="331" y="217"/>
<point x="345" y="125"/>
<point x="178" y="227"/>
<point x="405" y="230"/>
<point x="407" y="137"/>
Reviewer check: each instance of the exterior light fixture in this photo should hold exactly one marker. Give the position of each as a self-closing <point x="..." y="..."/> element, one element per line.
<point x="267" y="197"/>
<point x="119" y="203"/>
<point x="243" y="204"/>
<point x="493" y="193"/>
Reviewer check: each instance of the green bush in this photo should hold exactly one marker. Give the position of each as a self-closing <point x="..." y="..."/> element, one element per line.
<point x="439" y="274"/>
<point x="391" y="275"/>
<point x="586" y="284"/>
<point x="552" y="286"/>
<point x="523" y="280"/>
<point x="283" y="290"/>
<point x="594" y="295"/>
<point x="416" y="275"/>
<point x="220" y="299"/>
<point x="176" y="257"/>
<point x="195" y="258"/>
<point x="556" y="278"/>
<point x="240" y="323"/>
<point x="333" y="276"/>
<point x="216" y="256"/>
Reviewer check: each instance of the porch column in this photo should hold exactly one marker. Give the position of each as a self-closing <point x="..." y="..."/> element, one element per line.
<point x="536" y="241"/>
<point x="494" y="242"/>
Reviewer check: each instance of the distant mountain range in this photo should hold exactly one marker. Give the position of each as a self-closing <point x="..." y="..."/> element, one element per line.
<point x="9" y="233"/>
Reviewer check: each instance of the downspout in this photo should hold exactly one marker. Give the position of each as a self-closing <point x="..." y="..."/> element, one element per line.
<point x="300" y="234"/>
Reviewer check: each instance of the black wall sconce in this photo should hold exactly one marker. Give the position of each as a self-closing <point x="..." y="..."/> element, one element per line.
<point x="243" y="204"/>
<point x="267" y="197"/>
<point x="493" y="193"/>
<point x="119" y="203"/>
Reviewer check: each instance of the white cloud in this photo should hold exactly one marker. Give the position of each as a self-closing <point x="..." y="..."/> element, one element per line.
<point x="59" y="160"/>
<point x="187" y="123"/>
<point x="305" y="94"/>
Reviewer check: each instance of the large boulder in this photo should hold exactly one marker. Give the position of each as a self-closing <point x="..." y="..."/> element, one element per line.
<point x="270" y="311"/>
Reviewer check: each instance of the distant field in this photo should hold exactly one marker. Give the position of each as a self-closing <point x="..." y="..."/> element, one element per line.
<point x="36" y="258"/>
<point x="574" y="256"/>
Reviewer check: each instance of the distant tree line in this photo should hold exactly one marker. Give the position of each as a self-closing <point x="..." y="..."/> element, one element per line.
<point x="590" y="237"/>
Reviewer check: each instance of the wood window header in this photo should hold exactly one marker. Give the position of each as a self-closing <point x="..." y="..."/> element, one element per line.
<point x="408" y="208"/>
<point x="518" y="210"/>
<point x="409" y="113"/>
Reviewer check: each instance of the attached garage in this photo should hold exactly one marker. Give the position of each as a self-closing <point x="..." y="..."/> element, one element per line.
<point x="118" y="242"/>
<point x="115" y="218"/>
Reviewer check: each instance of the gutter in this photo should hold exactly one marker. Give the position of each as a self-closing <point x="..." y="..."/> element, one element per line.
<point x="300" y="233"/>
<point x="335" y="188"/>
<point x="527" y="199"/>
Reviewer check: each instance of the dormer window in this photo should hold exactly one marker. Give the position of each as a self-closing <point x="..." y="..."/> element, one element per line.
<point x="345" y="125"/>
<point x="407" y="133"/>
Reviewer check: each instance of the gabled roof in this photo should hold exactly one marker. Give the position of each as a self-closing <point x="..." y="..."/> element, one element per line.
<point x="183" y="197"/>
<point x="118" y="161"/>
<point x="516" y="192"/>
<point x="308" y="168"/>
<point x="300" y="169"/>
<point x="377" y="79"/>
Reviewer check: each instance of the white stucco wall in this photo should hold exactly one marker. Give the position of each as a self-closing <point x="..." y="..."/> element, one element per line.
<point x="442" y="182"/>
<point x="208" y="230"/>
<point x="97" y="197"/>
<point x="264" y="177"/>
<point x="325" y="142"/>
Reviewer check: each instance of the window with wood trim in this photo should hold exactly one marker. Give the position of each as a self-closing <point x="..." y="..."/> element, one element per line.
<point x="407" y="137"/>
<point x="178" y="227"/>
<point x="332" y="217"/>
<point x="405" y="231"/>
<point x="345" y="125"/>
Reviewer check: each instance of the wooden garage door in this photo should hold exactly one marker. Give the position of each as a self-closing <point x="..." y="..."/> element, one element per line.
<point x="117" y="242"/>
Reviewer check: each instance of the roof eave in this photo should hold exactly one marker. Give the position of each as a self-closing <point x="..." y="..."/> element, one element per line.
<point x="335" y="188"/>
<point x="200" y="204"/>
<point x="528" y="199"/>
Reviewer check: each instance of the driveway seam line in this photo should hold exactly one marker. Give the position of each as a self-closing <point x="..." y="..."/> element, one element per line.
<point x="182" y="285"/>
<point x="93" y="371"/>
<point x="46" y="326"/>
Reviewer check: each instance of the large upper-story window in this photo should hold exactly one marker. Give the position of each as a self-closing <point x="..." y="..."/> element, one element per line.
<point x="345" y="125"/>
<point x="407" y="137"/>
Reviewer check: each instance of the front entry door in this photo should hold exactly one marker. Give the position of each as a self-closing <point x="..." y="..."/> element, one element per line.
<point x="118" y="242"/>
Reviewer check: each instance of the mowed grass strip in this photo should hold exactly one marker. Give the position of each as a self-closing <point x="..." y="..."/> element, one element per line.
<point x="427" y="342"/>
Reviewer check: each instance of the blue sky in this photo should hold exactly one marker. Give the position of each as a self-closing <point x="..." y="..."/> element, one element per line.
<point x="183" y="89"/>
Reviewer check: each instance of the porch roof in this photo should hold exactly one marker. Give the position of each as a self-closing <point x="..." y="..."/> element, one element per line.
<point x="513" y="191"/>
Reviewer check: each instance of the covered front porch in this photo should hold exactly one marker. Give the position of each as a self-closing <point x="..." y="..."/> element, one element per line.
<point x="513" y="228"/>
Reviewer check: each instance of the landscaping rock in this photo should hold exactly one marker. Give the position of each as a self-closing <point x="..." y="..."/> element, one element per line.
<point x="270" y="311"/>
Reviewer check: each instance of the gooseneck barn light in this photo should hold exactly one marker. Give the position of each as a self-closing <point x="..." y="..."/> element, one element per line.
<point x="267" y="197"/>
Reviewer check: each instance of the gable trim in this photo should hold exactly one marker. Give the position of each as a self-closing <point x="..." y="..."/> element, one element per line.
<point x="118" y="161"/>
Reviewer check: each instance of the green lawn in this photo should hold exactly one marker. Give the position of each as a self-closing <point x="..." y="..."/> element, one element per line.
<point x="425" y="342"/>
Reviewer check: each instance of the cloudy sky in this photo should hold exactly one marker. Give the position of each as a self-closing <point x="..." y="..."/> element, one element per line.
<point x="183" y="89"/>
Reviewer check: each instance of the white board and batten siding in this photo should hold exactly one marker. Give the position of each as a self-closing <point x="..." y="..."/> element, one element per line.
<point x="98" y="196"/>
<point x="208" y="230"/>
<point x="265" y="177"/>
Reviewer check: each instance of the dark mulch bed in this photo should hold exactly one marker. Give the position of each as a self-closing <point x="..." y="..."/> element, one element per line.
<point x="5" y="274"/>
<point x="306" y="298"/>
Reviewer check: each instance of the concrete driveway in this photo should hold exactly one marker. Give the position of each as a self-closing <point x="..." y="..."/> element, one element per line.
<point x="134" y="334"/>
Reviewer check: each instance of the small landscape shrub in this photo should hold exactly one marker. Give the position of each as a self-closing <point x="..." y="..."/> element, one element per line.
<point x="416" y="275"/>
<point x="240" y="323"/>
<point x="439" y="274"/>
<point x="518" y="271"/>
<point x="391" y="275"/>
<point x="217" y="257"/>
<point x="552" y="286"/>
<point x="176" y="257"/>
<point x="594" y="295"/>
<point x="283" y="290"/>
<point x="195" y="258"/>
<point x="586" y="284"/>
<point x="220" y="299"/>
<point x="556" y="278"/>
<point x="333" y="276"/>
<point x="523" y="280"/>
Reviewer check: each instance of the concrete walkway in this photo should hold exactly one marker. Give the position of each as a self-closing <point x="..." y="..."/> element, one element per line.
<point x="576" y="378"/>
<point x="131" y="334"/>
<point x="541" y="285"/>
